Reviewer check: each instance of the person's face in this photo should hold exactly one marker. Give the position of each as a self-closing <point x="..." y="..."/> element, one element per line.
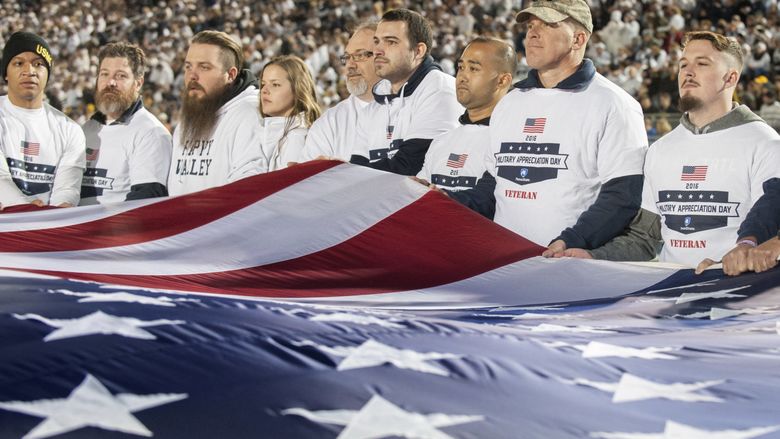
<point x="116" y="85"/>
<point x="704" y="74"/>
<point x="276" y="92"/>
<point x="548" y="44"/>
<point x="361" y="75"/>
<point x="27" y="76"/>
<point x="477" y="78"/>
<point x="204" y="74"/>
<point x="394" y="58"/>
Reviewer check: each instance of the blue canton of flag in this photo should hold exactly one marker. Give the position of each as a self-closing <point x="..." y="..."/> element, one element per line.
<point x="535" y="125"/>
<point x="31" y="148"/>
<point x="694" y="173"/>
<point x="457" y="160"/>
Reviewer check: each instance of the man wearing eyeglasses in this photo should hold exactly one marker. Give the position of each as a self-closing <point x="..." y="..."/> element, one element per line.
<point x="333" y="134"/>
<point x="413" y="102"/>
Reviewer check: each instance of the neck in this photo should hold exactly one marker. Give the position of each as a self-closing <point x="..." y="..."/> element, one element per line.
<point x="480" y="113"/>
<point x="368" y="96"/>
<point x="396" y="85"/>
<point x="707" y="115"/>
<point x="29" y="104"/>
<point x="552" y="77"/>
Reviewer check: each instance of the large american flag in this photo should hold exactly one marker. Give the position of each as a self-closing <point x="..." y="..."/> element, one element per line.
<point x="360" y="316"/>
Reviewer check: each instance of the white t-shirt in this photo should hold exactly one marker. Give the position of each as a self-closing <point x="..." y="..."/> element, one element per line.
<point x="42" y="156"/>
<point x="703" y="186"/>
<point x="430" y="110"/>
<point x="232" y="153"/>
<point x="281" y="152"/>
<point x="552" y="149"/>
<point x="334" y="132"/>
<point x="125" y="153"/>
<point x="456" y="159"/>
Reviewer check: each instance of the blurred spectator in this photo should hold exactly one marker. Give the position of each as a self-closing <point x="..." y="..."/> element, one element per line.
<point x="770" y="108"/>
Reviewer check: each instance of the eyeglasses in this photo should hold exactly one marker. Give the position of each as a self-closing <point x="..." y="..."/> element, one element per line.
<point x="358" y="56"/>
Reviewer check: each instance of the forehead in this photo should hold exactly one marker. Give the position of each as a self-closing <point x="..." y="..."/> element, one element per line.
<point x="115" y="63"/>
<point x="362" y="40"/>
<point x="27" y="56"/>
<point x="203" y="53"/>
<point x="698" y="48"/>
<point x="274" y="72"/>
<point x="479" y="52"/>
<point x="391" y="29"/>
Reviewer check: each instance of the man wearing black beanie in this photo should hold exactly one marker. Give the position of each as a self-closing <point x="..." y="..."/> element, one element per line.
<point x="41" y="150"/>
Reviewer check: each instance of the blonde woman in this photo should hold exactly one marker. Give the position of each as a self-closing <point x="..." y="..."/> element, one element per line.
<point x="288" y="104"/>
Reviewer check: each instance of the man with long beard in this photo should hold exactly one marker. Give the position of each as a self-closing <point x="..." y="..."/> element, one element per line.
<point x="128" y="149"/>
<point x="218" y="138"/>
<point x="333" y="134"/>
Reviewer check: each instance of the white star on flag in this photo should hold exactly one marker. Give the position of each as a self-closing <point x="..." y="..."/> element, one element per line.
<point x="123" y="296"/>
<point x="381" y="418"/>
<point x="633" y="388"/>
<point x="547" y="327"/>
<point x="676" y="430"/>
<point x="697" y="284"/>
<point x="597" y="349"/>
<point x="356" y="319"/>
<point x="372" y="353"/>
<point x="98" y="323"/>
<point x="604" y="386"/>
<point x="90" y="405"/>
<point x="723" y="294"/>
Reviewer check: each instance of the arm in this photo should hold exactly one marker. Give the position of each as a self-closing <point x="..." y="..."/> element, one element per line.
<point x="246" y="153"/>
<point x="407" y="161"/>
<point x="481" y="198"/>
<point x="149" y="165"/>
<point x="640" y="241"/>
<point x="66" y="189"/>
<point x="617" y="203"/>
<point x="763" y="220"/>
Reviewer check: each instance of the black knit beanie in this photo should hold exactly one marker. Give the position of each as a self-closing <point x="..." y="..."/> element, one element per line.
<point x="21" y="42"/>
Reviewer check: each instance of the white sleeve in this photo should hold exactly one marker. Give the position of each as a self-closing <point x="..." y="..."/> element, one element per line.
<point x="623" y="146"/>
<point x="10" y="194"/>
<point x="67" y="179"/>
<point x="435" y="113"/>
<point x="764" y="167"/>
<point x="294" y="145"/>
<point x="151" y="157"/>
<point x="648" y="191"/>
<point x="247" y="157"/>
<point x="319" y="140"/>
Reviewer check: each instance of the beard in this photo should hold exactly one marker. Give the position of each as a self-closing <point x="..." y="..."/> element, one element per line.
<point x="690" y="103"/>
<point x="114" y="101"/>
<point x="357" y="88"/>
<point x="199" y="114"/>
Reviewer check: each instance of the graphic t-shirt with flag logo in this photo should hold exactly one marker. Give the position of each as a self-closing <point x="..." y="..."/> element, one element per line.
<point x="455" y="160"/>
<point x="703" y="185"/>
<point x="42" y="155"/>
<point x="551" y="149"/>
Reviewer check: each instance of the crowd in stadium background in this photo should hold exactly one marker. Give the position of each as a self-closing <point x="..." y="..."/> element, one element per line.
<point x="636" y="44"/>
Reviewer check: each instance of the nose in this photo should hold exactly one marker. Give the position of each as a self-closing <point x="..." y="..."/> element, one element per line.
<point x="29" y="70"/>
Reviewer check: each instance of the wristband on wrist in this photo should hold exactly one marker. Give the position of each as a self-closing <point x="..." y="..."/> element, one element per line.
<point x="749" y="242"/>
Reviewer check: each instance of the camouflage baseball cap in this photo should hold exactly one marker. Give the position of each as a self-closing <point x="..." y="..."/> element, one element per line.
<point x="555" y="11"/>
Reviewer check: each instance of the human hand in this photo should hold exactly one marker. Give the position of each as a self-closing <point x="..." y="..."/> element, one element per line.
<point x="577" y="253"/>
<point x="555" y="250"/>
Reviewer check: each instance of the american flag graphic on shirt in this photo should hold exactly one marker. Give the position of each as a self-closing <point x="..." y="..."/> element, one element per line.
<point x="31" y="148"/>
<point x="534" y="125"/>
<point x="694" y="173"/>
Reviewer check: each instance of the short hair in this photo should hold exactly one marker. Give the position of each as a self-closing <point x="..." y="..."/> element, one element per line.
<point x="366" y="25"/>
<point x="721" y="43"/>
<point x="418" y="29"/>
<point x="132" y="53"/>
<point x="505" y="55"/>
<point x="230" y="53"/>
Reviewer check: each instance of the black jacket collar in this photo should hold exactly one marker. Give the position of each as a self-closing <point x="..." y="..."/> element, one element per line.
<point x="411" y="85"/>
<point x="464" y="119"/>
<point x="244" y="80"/>
<point x="578" y="79"/>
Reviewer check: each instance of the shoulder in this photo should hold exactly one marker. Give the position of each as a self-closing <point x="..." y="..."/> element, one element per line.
<point x="146" y="120"/>
<point x="436" y="81"/>
<point x="610" y="94"/>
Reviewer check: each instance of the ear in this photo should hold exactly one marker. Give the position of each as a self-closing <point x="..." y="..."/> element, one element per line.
<point x="139" y="82"/>
<point x="419" y="50"/>
<point x="732" y="77"/>
<point x="580" y="40"/>
<point x="232" y="73"/>
<point x="504" y="80"/>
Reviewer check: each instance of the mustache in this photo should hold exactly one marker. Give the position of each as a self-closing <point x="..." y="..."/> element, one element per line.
<point x="195" y="85"/>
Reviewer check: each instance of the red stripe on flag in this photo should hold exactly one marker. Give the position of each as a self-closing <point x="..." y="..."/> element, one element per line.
<point x="160" y="220"/>
<point x="411" y="249"/>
